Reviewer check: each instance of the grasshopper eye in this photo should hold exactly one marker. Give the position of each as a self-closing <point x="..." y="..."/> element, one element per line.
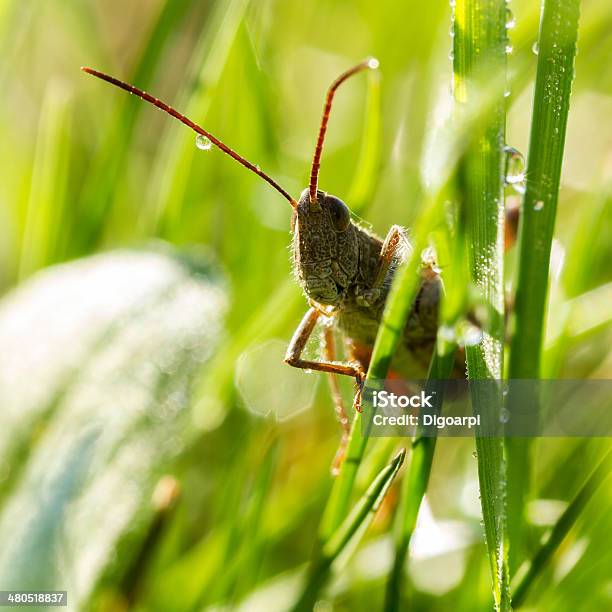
<point x="340" y="213"/>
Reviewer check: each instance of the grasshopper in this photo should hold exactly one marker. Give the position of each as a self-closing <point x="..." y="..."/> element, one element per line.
<point x="344" y="270"/>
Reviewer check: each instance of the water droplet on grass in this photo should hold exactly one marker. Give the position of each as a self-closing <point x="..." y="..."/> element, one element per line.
<point x="468" y="334"/>
<point x="447" y="333"/>
<point x="510" y="20"/>
<point x="515" y="169"/>
<point x="203" y="143"/>
<point x="535" y="48"/>
<point x="538" y="206"/>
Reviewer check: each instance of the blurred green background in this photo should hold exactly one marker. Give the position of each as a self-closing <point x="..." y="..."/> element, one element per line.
<point x="86" y="169"/>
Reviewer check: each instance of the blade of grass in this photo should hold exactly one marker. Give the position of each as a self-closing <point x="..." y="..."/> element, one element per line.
<point x="479" y="52"/>
<point x="450" y="249"/>
<point x="174" y="161"/>
<point x="416" y="481"/>
<point x="100" y="185"/>
<point x="396" y="311"/>
<point x="348" y="533"/>
<point x="528" y="574"/>
<point x="239" y="567"/>
<point x="366" y="172"/>
<point x="557" y="50"/>
<point x="586" y="313"/>
<point x="48" y="185"/>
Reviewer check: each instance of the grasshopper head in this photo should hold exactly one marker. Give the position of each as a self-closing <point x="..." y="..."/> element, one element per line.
<point x="325" y="247"/>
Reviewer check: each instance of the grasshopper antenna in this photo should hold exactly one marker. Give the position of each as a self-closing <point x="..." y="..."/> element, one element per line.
<point x="194" y="126"/>
<point x="370" y="64"/>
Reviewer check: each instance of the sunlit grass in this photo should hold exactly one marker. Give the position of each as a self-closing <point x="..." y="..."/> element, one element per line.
<point x="88" y="169"/>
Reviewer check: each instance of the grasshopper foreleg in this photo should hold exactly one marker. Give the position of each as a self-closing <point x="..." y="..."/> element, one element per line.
<point x="293" y="356"/>
<point x="395" y="241"/>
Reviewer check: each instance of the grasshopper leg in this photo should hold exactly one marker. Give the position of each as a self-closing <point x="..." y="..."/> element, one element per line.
<point x="293" y="357"/>
<point x="396" y="238"/>
<point x="329" y="352"/>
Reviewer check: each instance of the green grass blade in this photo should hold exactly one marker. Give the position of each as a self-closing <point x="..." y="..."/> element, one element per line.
<point x="366" y="172"/>
<point x="349" y="532"/>
<point x="48" y="185"/>
<point x="174" y="161"/>
<point x="479" y="53"/>
<point x="238" y="569"/>
<point x="450" y="250"/>
<point x="397" y="308"/>
<point x="557" y="50"/>
<point x="100" y="188"/>
<point x="531" y="570"/>
<point x="416" y="481"/>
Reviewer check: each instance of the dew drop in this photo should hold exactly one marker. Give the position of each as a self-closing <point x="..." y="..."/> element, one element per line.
<point x="475" y="454"/>
<point x="535" y="48"/>
<point x="504" y="416"/>
<point x="510" y="20"/>
<point x="307" y="371"/>
<point x="203" y="143"/>
<point x="469" y="334"/>
<point x="447" y="333"/>
<point x="451" y="55"/>
<point x="509" y="49"/>
<point x="515" y="169"/>
<point x="538" y="206"/>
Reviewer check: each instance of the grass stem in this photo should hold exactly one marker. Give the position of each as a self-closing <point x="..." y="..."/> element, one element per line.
<point x="479" y="52"/>
<point x="556" y="52"/>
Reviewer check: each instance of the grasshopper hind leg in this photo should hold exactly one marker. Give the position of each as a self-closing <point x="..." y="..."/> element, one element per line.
<point x="328" y="346"/>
